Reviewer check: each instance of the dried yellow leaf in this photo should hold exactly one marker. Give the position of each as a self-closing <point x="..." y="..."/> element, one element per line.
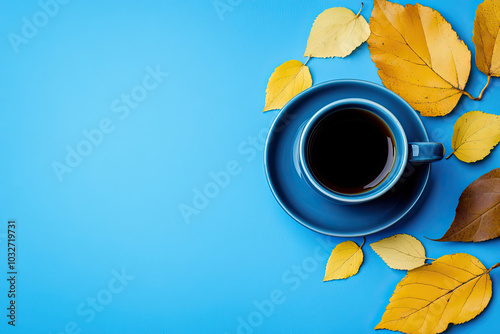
<point x="336" y="32"/>
<point x="344" y="262"/>
<point x="401" y="251"/>
<point x="453" y="289"/>
<point x="475" y="134"/>
<point x="287" y="80"/>
<point x="419" y="56"/>
<point x="486" y="37"/>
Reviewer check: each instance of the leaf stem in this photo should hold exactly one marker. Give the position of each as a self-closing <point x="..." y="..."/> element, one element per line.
<point x="482" y="91"/>
<point x="307" y="60"/>
<point x="480" y="94"/>
<point x="359" y="11"/>
<point x="449" y="156"/>
<point x="364" y="239"/>
<point x="495" y="266"/>
<point x="430" y="259"/>
<point x="469" y="96"/>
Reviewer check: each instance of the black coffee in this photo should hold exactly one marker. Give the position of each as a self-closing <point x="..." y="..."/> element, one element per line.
<point x="350" y="151"/>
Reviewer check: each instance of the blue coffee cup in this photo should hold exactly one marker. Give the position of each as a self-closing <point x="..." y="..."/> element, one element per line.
<point x="404" y="152"/>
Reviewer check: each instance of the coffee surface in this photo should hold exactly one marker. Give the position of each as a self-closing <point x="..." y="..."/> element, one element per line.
<point x="350" y="151"/>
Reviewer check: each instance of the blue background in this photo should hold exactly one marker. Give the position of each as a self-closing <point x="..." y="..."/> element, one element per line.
<point x="117" y="212"/>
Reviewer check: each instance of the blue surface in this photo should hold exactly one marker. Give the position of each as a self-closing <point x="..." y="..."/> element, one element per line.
<point x="106" y="249"/>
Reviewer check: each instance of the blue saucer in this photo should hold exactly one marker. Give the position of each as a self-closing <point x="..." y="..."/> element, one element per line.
<point x="307" y="206"/>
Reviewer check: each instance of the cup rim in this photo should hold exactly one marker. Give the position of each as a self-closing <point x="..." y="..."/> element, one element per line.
<point x="372" y="193"/>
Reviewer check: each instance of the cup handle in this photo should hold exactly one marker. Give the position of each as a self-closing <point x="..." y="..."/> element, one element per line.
<point x="425" y="152"/>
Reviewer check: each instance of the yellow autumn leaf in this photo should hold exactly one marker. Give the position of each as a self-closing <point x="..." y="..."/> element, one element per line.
<point x="475" y="134"/>
<point x="344" y="262"/>
<point x="401" y="251"/>
<point x="336" y="32"/>
<point x="287" y="80"/>
<point x="419" y="56"/>
<point x="486" y="37"/>
<point x="453" y="289"/>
